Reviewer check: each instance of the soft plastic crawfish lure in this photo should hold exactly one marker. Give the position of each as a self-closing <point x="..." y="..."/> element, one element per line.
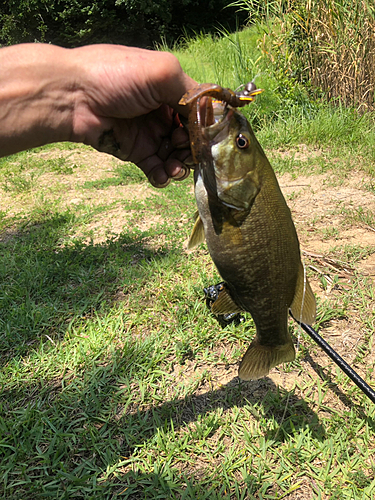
<point x="244" y="96"/>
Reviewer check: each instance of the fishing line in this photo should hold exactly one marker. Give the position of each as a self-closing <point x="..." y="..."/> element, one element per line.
<point x="348" y="370"/>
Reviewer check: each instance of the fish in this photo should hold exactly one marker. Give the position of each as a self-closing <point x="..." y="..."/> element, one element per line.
<point x="243" y="216"/>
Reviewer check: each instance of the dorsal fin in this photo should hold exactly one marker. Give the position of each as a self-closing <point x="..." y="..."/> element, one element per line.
<point x="303" y="307"/>
<point x="197" y="234"/>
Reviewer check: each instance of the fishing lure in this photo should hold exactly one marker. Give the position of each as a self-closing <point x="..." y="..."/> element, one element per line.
<point x="236" y="99"/>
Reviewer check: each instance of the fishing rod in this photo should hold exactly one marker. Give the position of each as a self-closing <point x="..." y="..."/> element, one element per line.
<point x="348" y="370"/>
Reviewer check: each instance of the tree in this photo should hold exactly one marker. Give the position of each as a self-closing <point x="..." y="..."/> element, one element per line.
<point x="133" y="22"/>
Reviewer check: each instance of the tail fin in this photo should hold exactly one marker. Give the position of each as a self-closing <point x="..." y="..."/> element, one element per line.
<point x="259" y="359"/>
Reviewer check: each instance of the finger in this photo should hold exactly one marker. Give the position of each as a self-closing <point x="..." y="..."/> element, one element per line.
<point x="183" y="174"/>
<point x="181" y="86"/>
<point x="176" y="170"/>
<point x="153" y="167"/>
<point x="165" y="149"/>
<point x="180" y="138"/>
<point x="160" y="174"/>
<point x="172" y="82"/>
<point x="155" y="179"/>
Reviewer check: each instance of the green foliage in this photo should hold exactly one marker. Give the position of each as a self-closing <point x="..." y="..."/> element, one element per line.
<point x="132" y="22"/>
<point x="236" y="58"/>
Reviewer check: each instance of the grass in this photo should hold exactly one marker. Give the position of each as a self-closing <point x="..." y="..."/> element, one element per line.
<point x="125" y="174"/>
<point x="326" y="44"/>
<point x="115" y="380"/>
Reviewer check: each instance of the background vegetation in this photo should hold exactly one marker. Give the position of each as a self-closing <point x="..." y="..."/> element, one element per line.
<point x="328" y="44"/>
<point x="130" y="22"/>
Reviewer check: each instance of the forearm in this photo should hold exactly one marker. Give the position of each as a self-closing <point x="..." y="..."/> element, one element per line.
<point x="37" y="96"/>
<point x="117" y="99"/>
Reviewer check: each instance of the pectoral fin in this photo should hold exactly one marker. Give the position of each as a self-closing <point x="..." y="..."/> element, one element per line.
<point x="224" y="304"/>
<point x="303" y="307"/>
<point x="197" y="234"/>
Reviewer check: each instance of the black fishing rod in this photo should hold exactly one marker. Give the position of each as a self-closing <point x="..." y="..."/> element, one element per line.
<point x="348" y="370"/>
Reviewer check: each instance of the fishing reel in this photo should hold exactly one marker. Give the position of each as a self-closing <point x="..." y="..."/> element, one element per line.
<point x="211" y="295"/>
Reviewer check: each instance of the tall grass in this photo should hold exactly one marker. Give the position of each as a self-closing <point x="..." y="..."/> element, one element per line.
<point x="341" y="49"/>
<point x="232" y="59"/>
<point x="228" y="59"/>
<point x="330" y="43"/>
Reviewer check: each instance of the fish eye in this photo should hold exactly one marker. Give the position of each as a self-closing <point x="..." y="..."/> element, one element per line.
<point x="242" y="141"/>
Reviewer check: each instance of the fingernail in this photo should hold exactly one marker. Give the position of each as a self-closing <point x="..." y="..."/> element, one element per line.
<point x="182" y="174"/>
<point x="157" y="184"/>
<point x="189" y="162"/>
<point x="183" y="145"/>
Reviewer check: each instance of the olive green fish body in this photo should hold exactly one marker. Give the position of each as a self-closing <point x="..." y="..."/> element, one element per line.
<point x="248" y="257"/>
<point x="252" y="241"/>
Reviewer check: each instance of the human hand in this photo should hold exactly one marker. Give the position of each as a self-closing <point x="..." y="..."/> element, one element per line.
<point x="126" y="106"/>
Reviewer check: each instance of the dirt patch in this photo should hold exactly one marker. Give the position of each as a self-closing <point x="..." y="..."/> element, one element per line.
<point x="89" y="165"/>
<point x="367" y="266"/>
<point x="86" y="158"/>
<point x="318" y="195"/>
<point x="320" y="210"/>
<point x="112" y="194"/>
<point x="302" y="152"/>
<point x="66" y="191"/>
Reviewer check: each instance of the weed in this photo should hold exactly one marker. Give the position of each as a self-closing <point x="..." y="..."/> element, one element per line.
<point x="60" y="166"/>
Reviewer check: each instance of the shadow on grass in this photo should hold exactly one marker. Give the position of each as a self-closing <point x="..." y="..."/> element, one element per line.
<point x="67" y="438"/>
<point x="45" y="285"/>
<point x="82" y="436"/>
<point x="347" y="401"/>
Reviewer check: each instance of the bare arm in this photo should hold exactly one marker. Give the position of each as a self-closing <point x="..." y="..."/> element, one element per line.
<point x="121" y="100"/>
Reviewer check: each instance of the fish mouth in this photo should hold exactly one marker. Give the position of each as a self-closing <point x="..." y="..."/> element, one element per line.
<point x="233" y="187"/>
<point x="214" y="117"/>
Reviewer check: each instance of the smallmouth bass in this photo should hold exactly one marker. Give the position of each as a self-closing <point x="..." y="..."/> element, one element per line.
<point x="249" y="231"/>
